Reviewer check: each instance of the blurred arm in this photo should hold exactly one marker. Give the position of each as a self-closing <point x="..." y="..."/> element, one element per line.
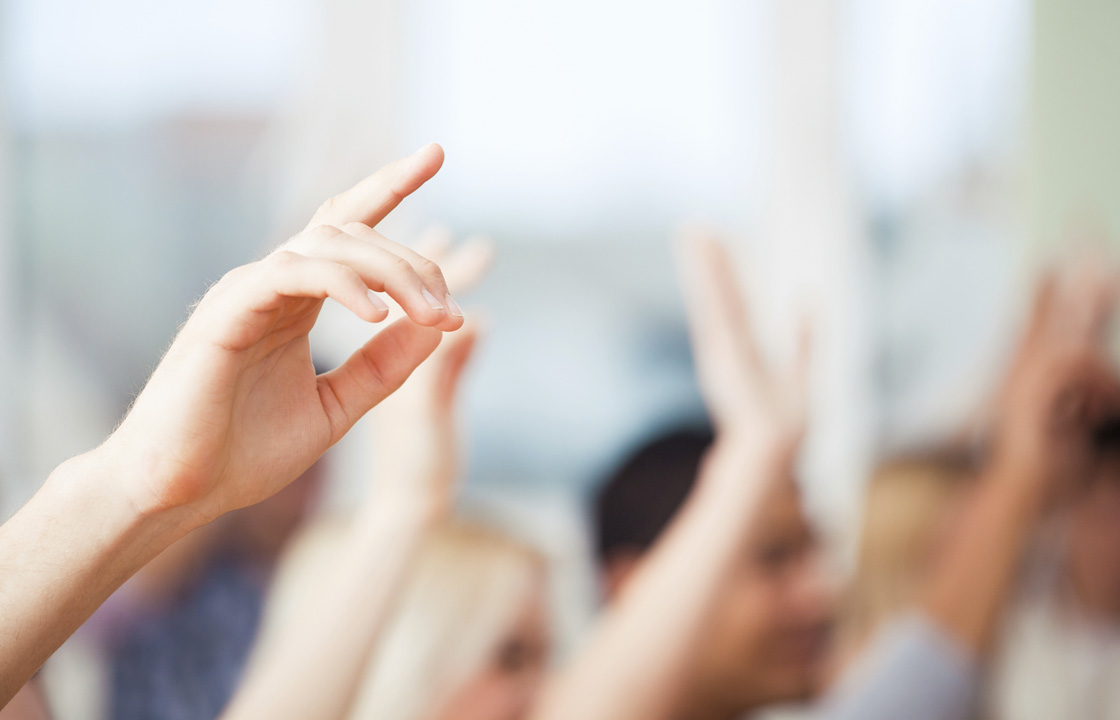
<point x="971" y="583"/>
<point x="927" y="666"/>
<point x="1060" y="386"/>
<point x="636" y="664"/>
<point x="314" y="667"/>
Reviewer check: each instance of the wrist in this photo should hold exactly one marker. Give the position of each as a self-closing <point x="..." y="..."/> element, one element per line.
<point x="105" y="481"/>
<point x="740" y="465"/>
<point x="1021" y="486"/>
<point x="769" y="451"/>
<point x="404" y="509"/>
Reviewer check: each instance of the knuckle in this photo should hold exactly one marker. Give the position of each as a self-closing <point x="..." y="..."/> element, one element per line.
<point x="328" y="206"/>
<point x="282" y="259"/>
<point x="355" y="228"/>
<point x="429" y="268"/>
<point x="311" y="239"/>
<point x="399" y="265"/>
<point x="322" y="233"/>
<point x="349" y="276"/>
<point x="236" y="274"/>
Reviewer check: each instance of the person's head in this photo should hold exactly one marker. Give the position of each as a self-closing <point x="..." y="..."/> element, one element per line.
<point x="911" y="504"/>
<point x="469" y="639"/>
<point x="766" y="637"/>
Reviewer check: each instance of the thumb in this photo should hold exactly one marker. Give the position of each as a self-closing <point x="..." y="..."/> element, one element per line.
<point x="374" y="372"/>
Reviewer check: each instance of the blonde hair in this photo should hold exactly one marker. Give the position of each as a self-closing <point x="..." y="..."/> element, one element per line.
<point x="908" y="500"/>
<point x="467" y="585"/>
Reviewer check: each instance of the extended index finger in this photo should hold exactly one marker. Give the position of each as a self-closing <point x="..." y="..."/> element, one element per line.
<point x="714" y="302"/>
<point x="372" y="199"/>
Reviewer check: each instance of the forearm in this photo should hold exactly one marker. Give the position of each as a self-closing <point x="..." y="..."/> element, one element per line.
<point x="978" y="569"/>
<point x="28" y="704"/>
<point x="75" y="542"/>
<point x="315" y="665"/>
<point x="636" y="663"/>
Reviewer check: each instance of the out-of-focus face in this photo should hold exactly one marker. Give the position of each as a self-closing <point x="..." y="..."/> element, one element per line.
<point x="768" y="635"/>
<point x="767" y="638"/>
<point x="505" y="688"/>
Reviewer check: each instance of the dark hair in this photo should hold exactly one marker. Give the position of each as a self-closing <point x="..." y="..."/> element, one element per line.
<point x="639" y="499"/>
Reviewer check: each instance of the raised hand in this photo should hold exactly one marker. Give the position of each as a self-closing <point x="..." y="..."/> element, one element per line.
<point x="640" y="659"/>
<point x="235" y="410"/>
<point x="233" y="413"/>
<point x="1059" y="388"/>
<point x="1062" y="383"/>
<point x="745" y="396"/>
<point x="415" y="436"/>
<point x="314" y="669"/>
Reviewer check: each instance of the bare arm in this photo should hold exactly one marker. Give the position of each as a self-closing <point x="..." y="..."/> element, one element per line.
<point x="636" y="662"/>
<point x="233" y="413"/>
<point x="28" y="704"/>
<point x="313" y="666"/>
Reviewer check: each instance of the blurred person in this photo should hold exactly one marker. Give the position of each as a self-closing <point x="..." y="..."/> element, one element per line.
<point x="639" y="499"/>
<point x="1058" y="642"/>
<point x="398" y="610"/>
<point x="646" y="656"/>
<point x="232" y="414"/>
<point x="768" y="629"/>
<point x="912" y="501"/>
<point x="730" y="591"/>
<point x="1059" y="390"/>
<point x="467" y="639"/>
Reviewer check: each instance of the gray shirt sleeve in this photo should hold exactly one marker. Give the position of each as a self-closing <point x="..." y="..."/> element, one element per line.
<point x="913" y="670"/>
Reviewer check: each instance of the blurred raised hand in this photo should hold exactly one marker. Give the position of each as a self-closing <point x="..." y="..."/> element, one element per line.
<point x="638" y="662"/>
<point x="748" y="399"/>
<point x="1060" y="388"/>
<point x="1062" y="383"/>
<point x="415" y="435"/>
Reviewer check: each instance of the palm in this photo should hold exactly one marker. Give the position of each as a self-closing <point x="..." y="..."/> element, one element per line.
<point x="1062" y="383"/>
<point x="744" y="394"/>
<point x="277" y="423"/>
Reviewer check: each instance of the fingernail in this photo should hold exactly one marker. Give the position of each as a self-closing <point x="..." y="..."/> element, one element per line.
<point x="376" y="301"/>
<point x="432" y="300"/>
<point x="453" y="306"/>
